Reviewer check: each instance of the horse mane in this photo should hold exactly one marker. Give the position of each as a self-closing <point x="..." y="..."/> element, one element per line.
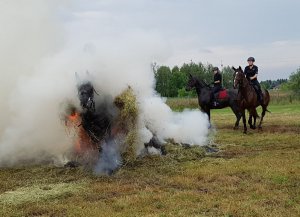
<point x="202" y="82"/>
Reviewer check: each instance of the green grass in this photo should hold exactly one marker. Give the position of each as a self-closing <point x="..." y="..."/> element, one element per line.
<point x="253" y="175"/>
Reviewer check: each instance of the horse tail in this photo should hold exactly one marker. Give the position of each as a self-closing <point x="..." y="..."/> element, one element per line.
<point x="267" y="99"/>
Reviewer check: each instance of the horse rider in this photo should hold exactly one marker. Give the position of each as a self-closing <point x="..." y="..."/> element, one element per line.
<point x="251" y="72"/>
<point x="217" y="84"/>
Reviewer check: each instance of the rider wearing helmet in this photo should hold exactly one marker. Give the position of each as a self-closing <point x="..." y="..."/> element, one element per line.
<point x="251" y="72"/>
<point x="217" y="84"/>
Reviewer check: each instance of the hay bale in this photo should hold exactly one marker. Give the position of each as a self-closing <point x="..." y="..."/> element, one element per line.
<point x="127" y="122"/>
<point x="127" y="104"/>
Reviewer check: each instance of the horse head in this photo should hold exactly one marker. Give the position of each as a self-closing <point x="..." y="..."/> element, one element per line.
<point x="86" y="95"/>
<point x="191" y="84"/>
<point x="86" y="91"/>
<point x="238" y="77"/>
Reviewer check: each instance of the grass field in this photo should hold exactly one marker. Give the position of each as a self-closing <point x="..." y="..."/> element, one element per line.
<point x="257" y="174"/>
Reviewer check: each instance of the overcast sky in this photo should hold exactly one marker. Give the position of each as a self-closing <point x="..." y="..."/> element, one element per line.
<point x="216" y="31"/>
<point x="210" y="31"/>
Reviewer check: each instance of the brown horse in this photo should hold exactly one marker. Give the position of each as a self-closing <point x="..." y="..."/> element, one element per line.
<point x="248" y="99"/>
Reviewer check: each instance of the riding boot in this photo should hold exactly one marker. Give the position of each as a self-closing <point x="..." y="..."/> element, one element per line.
<point x="214" y="101"/>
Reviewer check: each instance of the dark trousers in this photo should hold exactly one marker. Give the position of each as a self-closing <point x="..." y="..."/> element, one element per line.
<point x="214" y="90"/>
<point x="257" y="89"/>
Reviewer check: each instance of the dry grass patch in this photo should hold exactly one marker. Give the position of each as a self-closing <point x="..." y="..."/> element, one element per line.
<point x="253" y="175"/>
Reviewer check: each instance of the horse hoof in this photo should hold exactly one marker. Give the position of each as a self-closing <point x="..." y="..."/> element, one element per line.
<point x="236" y="128"/>
<point x="253" y="127"/>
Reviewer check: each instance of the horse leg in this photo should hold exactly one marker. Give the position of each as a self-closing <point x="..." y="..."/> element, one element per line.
<point x="264" y="109"/>
<point x="253" y="115"/>
<point x="238" y="117"/>
<point x="250" y="120"/>
<point x="244" y="121"/>
<point x="254" y="123"/>
<point x="208" y="113"/>
<point x="237" y="122"/>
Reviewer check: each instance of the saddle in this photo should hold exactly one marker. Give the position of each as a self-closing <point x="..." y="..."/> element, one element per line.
<point x="221" y="95"/>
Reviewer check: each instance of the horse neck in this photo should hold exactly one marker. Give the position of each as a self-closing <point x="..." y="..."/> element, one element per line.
<point x="245" y="88"/>
<point x="200" y="87"/>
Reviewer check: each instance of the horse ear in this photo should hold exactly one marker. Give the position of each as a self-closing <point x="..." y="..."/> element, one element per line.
<point x="233" y="68"/>
<point x="240" y="68"/>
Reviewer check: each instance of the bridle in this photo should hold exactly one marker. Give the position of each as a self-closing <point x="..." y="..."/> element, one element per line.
<point x="240" y="81"/>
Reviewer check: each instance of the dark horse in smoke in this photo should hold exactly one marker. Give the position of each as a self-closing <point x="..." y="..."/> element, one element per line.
<point x="204" y="98"/>
<point x="248" y="99"/>
<point x="96" y="121"/>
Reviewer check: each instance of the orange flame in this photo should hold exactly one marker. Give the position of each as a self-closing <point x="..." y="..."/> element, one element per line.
<point x="83" y="142"/>
<point x="74" y="117"/>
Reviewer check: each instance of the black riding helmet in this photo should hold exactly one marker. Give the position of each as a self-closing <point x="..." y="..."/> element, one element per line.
<point x="215" y="69"/>
<point x="251" y="59"/>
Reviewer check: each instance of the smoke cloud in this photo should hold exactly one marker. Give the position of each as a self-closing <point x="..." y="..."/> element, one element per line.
<point x="44" y="43"/>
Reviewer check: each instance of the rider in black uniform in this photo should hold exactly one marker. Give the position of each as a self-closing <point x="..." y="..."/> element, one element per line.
<point x="217" y="84"/>
<point x="251" y="72"/>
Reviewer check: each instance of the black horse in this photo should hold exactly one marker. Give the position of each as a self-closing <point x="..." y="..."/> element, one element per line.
<point x="204" y="98"/>
<point x="96" y="121"/>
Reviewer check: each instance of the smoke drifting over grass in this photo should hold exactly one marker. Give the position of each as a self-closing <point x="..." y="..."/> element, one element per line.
<point x="44" y="43"/>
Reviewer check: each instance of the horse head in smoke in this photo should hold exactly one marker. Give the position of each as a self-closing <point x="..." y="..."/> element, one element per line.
<point x="86" y="94"/>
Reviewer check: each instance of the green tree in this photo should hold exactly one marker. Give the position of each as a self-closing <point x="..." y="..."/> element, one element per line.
<point x="162" y="76"/>
<point x="178" y="81"/>
<point x="266" y="84"/>
<point x="294" y="82"/>
<point x="227" y="75"/>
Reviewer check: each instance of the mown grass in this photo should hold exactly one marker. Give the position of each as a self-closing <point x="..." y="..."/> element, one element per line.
<point x="253" y="175"/>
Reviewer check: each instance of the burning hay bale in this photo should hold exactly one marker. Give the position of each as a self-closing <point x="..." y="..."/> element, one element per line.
<point x="127" y="104"/>
<point x="102" y="137"/>
<point x="106" y="130"/>
<point x="127" y="122"/>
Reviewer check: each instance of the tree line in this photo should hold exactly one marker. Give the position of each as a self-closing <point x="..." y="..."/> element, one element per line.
<point x="171" y="82"/>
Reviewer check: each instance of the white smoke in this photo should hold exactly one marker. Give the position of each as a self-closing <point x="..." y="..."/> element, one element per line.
<point x="109" y="159"/>
<point x="41" y="46"/>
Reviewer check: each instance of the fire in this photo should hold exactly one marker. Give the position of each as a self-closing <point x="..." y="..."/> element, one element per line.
<point x="74" y="117"/>
<point x="82" y="141"/>
<point x="73" y="121"/>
